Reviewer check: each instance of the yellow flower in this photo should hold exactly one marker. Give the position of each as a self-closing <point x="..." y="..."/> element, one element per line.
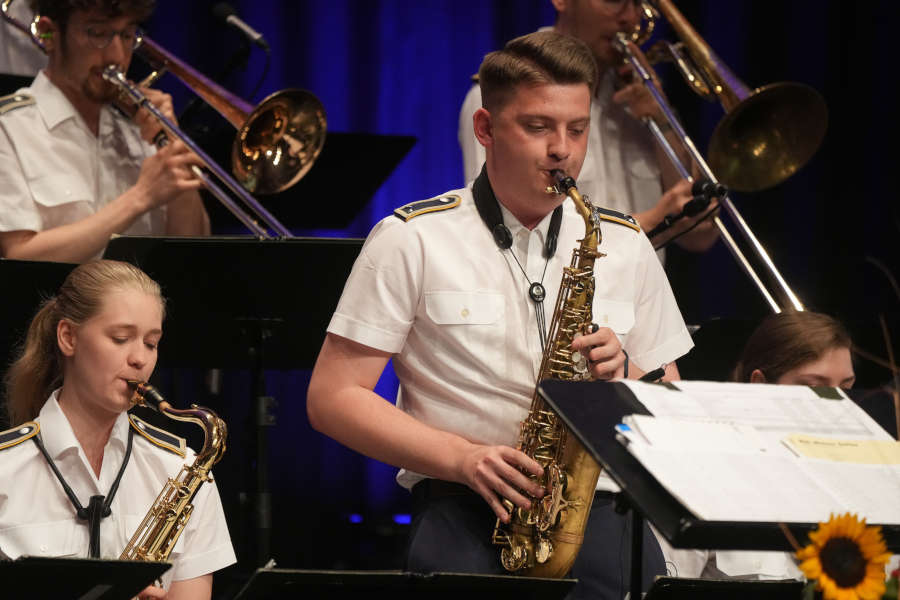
<point x="846" y="559"/>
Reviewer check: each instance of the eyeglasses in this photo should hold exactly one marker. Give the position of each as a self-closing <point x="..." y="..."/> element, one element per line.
<point x="100" y="38"/>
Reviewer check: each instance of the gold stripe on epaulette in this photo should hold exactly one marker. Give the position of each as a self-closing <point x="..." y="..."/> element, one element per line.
<point x="147" y="430"/>
<point x="25" y="431"/>
<point x="14" y="101"/>
<point x="427" y="207"/>
<point x="624" y="222"/>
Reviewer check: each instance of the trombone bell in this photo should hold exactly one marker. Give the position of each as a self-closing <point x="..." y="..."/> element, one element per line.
<point x="768" y="136"/>
<point x="279" y="141"/>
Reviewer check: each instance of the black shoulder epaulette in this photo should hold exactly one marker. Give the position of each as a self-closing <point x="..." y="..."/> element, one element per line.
<point x="17" y="435"/>
<point x="14" y="101"/>
<point x="614" y="216"/>
<point x="159" y="437"/>
<point x="420" y="207"/>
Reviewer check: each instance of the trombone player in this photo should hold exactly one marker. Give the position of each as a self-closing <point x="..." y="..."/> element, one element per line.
<point x="624" y="168"/>
<point x="75" y="171"/>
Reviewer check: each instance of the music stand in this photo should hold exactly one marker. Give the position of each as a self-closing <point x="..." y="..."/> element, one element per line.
<point x="368" y="159"/>
<point x="245" y="303"/>
<point x="591" y="410"/>
<point x="684" y="588"/>
<point x="39" y="578"/>
<point x="278" y="584"/>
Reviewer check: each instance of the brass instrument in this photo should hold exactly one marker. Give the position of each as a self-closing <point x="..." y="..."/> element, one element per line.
<point x="766" y="135"/>
<point x="276" y="144"/>
<point x="156" y="536"/>
<point x="543" y="541"/>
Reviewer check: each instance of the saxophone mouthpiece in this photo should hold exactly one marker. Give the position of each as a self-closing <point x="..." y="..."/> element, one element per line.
<point x="146" y="395"/>
<point x="564" y="183"/>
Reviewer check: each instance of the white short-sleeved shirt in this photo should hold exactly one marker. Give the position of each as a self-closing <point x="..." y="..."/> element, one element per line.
<point x="620" y="169"/>
<point x="56" y="172"/>
<point x="38" y="519"/>
<point x="453" y="308"/>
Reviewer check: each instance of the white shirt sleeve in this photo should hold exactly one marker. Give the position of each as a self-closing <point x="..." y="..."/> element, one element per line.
<point x="207" y="544"/>
<point x="17" y="209"/>
<point x="659" y="335"/>
<point x="379" y="302"/>
<point x="472" y="150"/>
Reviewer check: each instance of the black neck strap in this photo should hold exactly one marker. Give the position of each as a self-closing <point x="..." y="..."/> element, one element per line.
<point x="489" y="210"/>
<point x="98" y="507"/>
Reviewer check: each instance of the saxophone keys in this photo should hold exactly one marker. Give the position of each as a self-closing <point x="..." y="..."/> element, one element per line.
<point x="542" y="550"/>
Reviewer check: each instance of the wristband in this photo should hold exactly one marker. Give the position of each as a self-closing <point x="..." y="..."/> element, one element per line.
<point x="625" y="375"/>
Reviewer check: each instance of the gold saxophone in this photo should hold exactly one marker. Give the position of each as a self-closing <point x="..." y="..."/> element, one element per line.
<point x="156" y="536"/>
<point x="544" y="540"/>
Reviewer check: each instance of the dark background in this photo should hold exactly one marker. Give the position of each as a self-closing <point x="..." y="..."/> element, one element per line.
<point x="402" y="68"/>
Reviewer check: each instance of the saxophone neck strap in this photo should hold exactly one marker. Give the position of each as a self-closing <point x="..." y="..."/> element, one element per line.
<point x="489" y="211"/>
<point x="98" y="507"/>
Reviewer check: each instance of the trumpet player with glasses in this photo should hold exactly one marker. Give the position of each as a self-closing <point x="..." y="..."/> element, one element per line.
<point x="624" y="169"/>
<point x="75" y="170"/>
<point x="457" y="291"/>
<point x="78" y="473"/>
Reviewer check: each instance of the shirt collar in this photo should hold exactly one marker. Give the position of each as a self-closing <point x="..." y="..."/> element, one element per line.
<point x="57" y="434"/>
<point x="55" y="108"/>
<point x="514" y="226"/>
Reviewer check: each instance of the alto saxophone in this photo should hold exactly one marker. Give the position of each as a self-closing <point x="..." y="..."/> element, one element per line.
<point x="544" y="540"/>
<point x="156" y="536"/>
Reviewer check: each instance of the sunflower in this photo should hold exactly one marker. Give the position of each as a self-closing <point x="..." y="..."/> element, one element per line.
<point x="846" y="559"/>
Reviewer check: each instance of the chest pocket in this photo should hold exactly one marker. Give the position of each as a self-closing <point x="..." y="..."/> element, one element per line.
<point x="467" y="322"/>
<point x="618" y="315"/>
<point x="53" y="539"/>
<point x="60" y="199"/>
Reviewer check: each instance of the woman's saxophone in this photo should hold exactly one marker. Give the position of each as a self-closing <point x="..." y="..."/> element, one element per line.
<point x="543" y="541"/>
<point x="156" y="536"/>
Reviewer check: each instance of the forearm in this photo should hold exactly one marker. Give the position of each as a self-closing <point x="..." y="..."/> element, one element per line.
<point x="369" y="424"/>
<point x="185" y="215"/>
<point x="341" y="404"/>
<point x="74" y="242"/>
<point x="198" y="588"/>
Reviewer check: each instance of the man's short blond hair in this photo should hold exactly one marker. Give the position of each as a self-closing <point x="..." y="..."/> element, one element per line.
<point x="544" y="57"/>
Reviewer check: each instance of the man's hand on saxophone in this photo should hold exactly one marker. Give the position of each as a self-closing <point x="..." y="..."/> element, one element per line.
<point x="499" y="472"/>
<point x="606" y="357"/>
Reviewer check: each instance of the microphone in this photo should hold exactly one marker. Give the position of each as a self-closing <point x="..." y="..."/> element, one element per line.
<point x="226" y="13"/>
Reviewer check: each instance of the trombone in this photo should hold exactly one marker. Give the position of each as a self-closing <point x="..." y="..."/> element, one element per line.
<point x="276" y="144"/>
<point x="766" y="135"/>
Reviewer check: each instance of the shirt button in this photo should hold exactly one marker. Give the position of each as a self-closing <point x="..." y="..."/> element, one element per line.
<point x="465" y="313"/>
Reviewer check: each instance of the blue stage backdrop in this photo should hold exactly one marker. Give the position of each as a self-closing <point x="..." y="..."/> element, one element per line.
<point x="404" y="66"/>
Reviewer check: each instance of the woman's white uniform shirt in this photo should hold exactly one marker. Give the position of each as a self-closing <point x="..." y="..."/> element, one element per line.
<point x="38" y="519"/>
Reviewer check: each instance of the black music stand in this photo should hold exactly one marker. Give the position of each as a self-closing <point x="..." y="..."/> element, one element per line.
<point x="244" y="303"/>
<point x="272" y="584"/>
<point x="684" y="588"/>
<point x="592" y="410"/>
<point x="366" y="160"/>
<point x="39" y="578"/>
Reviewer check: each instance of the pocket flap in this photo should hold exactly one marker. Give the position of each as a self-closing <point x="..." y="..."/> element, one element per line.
<point x="56" y="190"/>
<point x="618" y="315"/>
<point x="464" y="308"/>
<point x="43" y="539"/>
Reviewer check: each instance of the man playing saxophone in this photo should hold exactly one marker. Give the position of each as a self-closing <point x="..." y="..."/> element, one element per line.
<point x="458" y="289"/>
<point x="77" y="474"/>
<point x="75" y="171"/>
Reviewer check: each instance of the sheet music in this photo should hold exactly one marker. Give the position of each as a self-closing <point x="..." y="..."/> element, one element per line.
<point x="720" y="449"/>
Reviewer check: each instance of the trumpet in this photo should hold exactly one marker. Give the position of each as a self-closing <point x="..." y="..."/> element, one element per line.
<point x="277" y="141"/>
<point x="761" y="141"/>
